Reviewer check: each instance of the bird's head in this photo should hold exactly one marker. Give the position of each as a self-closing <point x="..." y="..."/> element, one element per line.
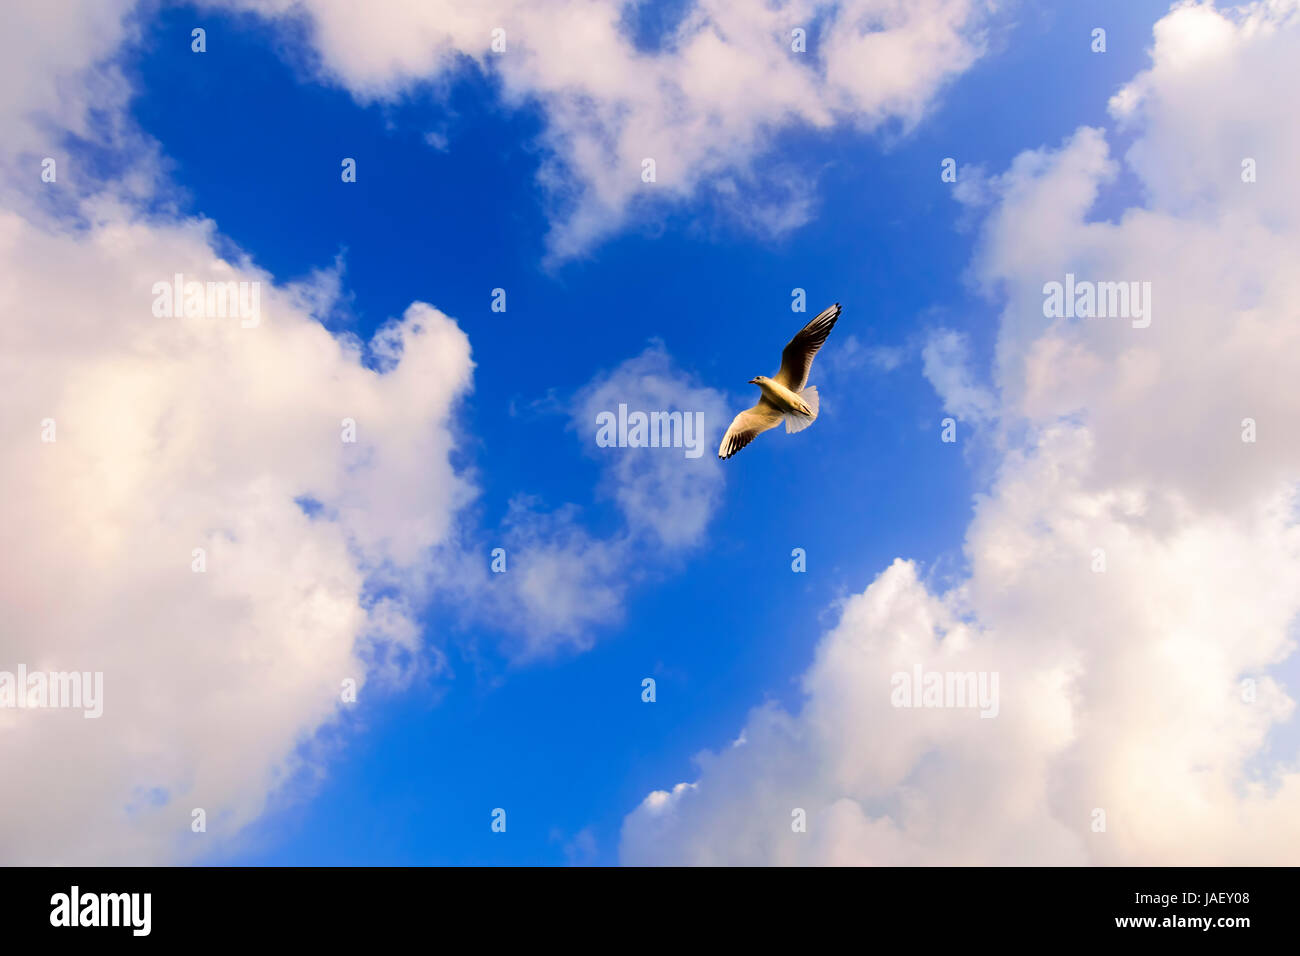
<point x="758" y="380"/>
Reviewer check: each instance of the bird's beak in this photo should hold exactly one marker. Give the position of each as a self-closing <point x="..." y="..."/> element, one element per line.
<point x="753" y="381"/>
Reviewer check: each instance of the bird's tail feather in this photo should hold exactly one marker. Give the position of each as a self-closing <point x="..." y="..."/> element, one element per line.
<point x="797" y="423"/>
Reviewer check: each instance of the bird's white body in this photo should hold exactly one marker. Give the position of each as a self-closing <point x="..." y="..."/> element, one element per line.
<point x="786" y="396"/>
<point x="790" y="403"/>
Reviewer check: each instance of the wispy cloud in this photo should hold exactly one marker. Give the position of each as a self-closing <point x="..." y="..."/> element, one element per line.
<point x="556" y="582"/>
<point x="701" y="105"/>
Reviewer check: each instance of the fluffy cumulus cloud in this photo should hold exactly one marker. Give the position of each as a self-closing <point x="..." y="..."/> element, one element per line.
<point x="154" y="479"/>
<point x="64" y="51"/>
<point x="701" y="103"/>
<point x="1133" y="567"/>
<point x="179" y="508"/>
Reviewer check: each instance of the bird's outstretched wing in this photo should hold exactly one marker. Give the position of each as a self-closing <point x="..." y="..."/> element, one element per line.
<point x="748" y="425"/>
<point x="796" y="358"/>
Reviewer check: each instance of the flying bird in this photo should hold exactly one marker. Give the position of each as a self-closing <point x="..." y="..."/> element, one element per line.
<point x="784" y="395"/>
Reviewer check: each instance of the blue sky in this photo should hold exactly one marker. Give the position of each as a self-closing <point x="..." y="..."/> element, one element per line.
<point x="471" y="178"/>
<point x="566" y="745"/>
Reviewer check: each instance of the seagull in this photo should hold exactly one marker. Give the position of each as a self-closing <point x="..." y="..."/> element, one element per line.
<point x="784" y="397"/>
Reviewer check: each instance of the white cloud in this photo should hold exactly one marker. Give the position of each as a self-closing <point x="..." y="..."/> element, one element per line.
<point x="879" y="785"/>
<point x="49" y="78"/>
<point x="703" y="106"/>
<point x="945" y="361"/>
<point x="666" y="495"/>
<point x="852" y="357"/>
<point x="176" y="434"/>
<point x="179" y="433"/>
<point x="1121" y="690"/>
